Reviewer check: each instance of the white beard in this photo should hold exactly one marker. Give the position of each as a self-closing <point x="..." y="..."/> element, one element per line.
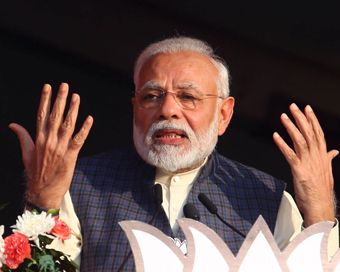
<point x="176" y="157"/>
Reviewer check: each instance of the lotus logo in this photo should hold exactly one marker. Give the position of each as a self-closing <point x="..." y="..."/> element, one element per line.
<point x="206" y="252"/>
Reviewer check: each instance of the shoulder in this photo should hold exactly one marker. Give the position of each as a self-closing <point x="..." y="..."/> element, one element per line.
<point x="107" y="157"/>
<point x="120" y="159"/>
<point x="242" y="174"/>
<point x="122" y="165"/>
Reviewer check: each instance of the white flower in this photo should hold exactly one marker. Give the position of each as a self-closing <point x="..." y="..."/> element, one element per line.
<point x="2" y="247"/>
<point x="33" y="225"/>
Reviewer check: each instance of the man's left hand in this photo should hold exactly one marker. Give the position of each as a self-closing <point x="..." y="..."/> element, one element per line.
<point x="311" y="165"/>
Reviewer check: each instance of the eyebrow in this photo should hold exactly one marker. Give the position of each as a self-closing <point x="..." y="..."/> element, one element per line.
<point x="187" y="85"/>
<point x="182" y="85"/>
<point x="152" y="85"/>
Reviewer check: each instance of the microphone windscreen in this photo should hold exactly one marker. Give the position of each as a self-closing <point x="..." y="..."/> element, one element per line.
<point x="207" y="203"/>
<point x="190" y="211"/>
<point x="157" y="188"/>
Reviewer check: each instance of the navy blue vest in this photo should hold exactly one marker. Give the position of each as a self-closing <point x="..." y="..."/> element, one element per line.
<point x="117" y="186"/>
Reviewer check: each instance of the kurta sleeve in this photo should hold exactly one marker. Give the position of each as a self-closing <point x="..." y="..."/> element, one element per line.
<point x="73" y="245"/>
<point x="289" y="224"/>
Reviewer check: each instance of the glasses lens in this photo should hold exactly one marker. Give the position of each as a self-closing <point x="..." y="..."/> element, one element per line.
<point x="149" y="98"/>
<point x="187" y="99"/>
<point x="153" y="98"/>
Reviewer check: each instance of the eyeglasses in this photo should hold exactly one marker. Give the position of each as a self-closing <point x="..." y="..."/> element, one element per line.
<point x="186" y="99"/>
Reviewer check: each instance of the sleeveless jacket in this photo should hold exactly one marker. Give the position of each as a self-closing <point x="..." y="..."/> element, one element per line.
<point x="118" y="186"/>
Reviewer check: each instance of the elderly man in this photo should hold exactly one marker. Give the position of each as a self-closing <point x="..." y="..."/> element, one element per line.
<point x="181" y="106"/>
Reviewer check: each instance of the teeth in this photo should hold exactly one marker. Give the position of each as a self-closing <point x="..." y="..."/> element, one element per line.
<point x="172" y="136"/>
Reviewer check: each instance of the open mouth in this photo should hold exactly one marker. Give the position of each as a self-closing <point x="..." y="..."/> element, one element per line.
<point x="170" y="134"/>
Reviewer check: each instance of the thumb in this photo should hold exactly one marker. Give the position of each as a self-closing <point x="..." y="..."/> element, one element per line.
<point x="26" y="142"/>
<point x="332" y="154"/>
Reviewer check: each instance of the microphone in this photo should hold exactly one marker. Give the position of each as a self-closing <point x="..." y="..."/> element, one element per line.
<point x="158" y="192"/>
<point x="211" y="207"/>
<point x="157" y="189"/>
<point x="190" y="211"/>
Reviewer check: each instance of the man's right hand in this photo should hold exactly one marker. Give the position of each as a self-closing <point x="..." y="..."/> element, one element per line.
<point x="50" y="162"/>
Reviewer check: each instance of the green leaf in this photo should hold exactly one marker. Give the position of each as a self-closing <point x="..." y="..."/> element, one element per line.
<point x="3" y="206"/>
<point x="26" y="264"/>
<point x="35" y="253"/>
<point x="5" y="268"/>
<point x="76" y="266"/>
<point x="34" y="261"/>
<point x="44" y="241"/>
<point x="52" y="211"/>
<point x="56" y="253"/>
<point x="66" y="266"/>
<point x="34" y="211"/>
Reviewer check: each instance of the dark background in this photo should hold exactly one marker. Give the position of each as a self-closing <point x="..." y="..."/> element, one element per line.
<point x="278" y="52"/>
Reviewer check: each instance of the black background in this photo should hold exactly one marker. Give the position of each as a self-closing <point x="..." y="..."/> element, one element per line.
<point x="278" y="53"/>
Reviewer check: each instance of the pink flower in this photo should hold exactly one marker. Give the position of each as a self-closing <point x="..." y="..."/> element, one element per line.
<point x="17" y="249"/>
<point x="61" y="230"/>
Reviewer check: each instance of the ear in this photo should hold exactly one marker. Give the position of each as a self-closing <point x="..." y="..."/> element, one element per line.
<point x="133" y="100"/>
<point x="226" y="110"/>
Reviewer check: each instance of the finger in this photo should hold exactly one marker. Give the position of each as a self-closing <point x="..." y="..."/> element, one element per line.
<point x="57" y="113"/>
<point x="68" y="126"/>
<point x="304" y="126"/>
<point x="79" y="139"/>
<point x="26" y="142"/>
<point x="287" y="152"/>
<point x="43" y="112"/>
<point x="293" y="161"/>
<point x="332" y="154"/>
<point x="299" y="142"/>
<point x="318" y="132"/>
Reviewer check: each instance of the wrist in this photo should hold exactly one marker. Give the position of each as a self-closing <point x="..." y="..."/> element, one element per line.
<point x="43" y="200"/>
<point x="32" y="207"/>
<point x="308" y="221"/>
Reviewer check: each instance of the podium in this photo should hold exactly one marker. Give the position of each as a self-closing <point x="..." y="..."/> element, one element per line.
<point x="205" y="251"/>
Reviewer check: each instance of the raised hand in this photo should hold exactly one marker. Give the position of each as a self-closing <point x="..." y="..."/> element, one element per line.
<point x="311" y="165"/>
<point x="50" y="161"/>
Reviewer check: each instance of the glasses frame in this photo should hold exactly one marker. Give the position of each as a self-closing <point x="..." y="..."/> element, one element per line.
<point x="164" y="93"/>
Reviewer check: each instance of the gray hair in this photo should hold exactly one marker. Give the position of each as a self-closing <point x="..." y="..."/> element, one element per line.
<point x="180" y="44"/>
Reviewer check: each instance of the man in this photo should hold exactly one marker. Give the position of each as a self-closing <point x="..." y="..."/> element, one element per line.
<point x="181" y="105"/>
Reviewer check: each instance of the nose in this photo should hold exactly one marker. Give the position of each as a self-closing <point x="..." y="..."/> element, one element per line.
<point x="169" y="108"/>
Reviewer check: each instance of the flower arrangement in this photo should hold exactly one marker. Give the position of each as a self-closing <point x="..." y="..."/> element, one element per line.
<point x="27" y="248"/>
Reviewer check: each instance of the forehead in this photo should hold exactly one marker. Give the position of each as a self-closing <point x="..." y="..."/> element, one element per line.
<point x="174" y="68"/>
